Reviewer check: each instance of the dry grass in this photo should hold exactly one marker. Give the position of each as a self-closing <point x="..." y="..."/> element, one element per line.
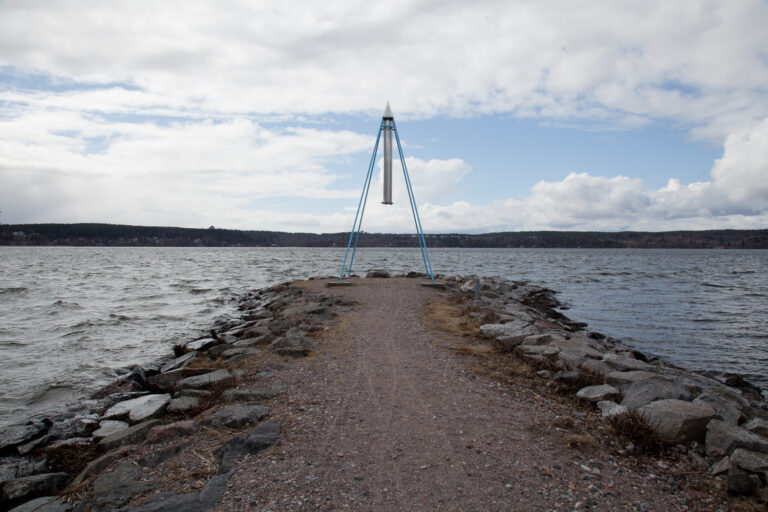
<point x="632" y="427"/>
<point x="580" y="442"/>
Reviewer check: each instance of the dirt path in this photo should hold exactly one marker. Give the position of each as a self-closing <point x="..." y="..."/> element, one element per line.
<point x="383" y="419"/>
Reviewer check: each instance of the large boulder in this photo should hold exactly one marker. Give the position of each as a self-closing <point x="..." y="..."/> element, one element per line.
<point x="237" y="416"/>
<point x="622" y="380"/>
<point x="676" y="421"/>
<point x="255" y="440"/>
<point x="205" y="381"/>
<point x="184" y="405"/>
<point x="179" y="362"/>
<point x="609" y="408"/>
<point x="166" y="382"/>
<point x="624" y="364"/>
<point x="130" y="435"/>
<point x="45" y="504"/>
<point x="109" y="427"/>
<point x="758" y="426"/>
<point x="722" y="439"/>
<point x="33" y="486"/>
<point x="646" y="391"/>
<point x="598" y="393"/>
<point x="139" y="409"/>
<point x="249" y="394"/>
<point x="15" y="435"/>
<point x="754" y="462"/>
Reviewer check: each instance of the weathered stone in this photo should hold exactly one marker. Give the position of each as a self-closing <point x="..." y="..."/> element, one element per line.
<point x="740" y="482"/>
<point x="179" y="362"/>
<point x="16" y="467"/>
<point x="237" y="351"/>
<point x="566" y="377"/>
<point x="33" y="486"/>
<point x="511" y="341"/>
<point x="14" y="435"/>
<point x="257" y="439"/>
<point x="727" y="410"/>
<point x="541" y="350"/>
<point x="201" y="345"/>
<point x="544" y="374"/>
<point x="721" y="466"/>
<point x="609" y="408"/>
<point x="166" y="382"/>
<point x="753" y="462"/>
<point x="78" y="426"/>
<point x="109" y="427"/>
<point x="624" y="364"/>
<point x="162" y="433"/>
<point x="676" y="421"/>
<point x="722" y="439"/>
<point x="537" y="339"/>
<point x="598" y="393"/>
<point x="139" y="409"/>
<point x="646" y="391"/>
<point x="130" y="435"/>
<point x="249" y="394"/>
<point x="252" y="332"/>
<point x="119" y="486"/>
<point x="595" y="368"/>
<point x="45" y="504"/>
<point x="237" y="416"/>
<point x="103" y="462"/>
<point x="509" y="329"/>
<point x="265" y="339"/>
<point x="121" y="385"/>
<point x="622" y="380"/>
<point x="198" y="393"/>
<point x="206" y="381"/>
<point x="206" y="499"/>
<point x="72" y="442"/>
<point x="184" y="405"/>
<point x="758" y="426"/>
<point x="377" y="273"/>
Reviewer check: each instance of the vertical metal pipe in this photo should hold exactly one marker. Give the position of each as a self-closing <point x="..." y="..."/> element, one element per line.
<point x="387" y="127"/>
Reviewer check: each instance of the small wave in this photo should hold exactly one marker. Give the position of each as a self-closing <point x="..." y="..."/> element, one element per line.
<point x="14" y="290"/>
<point x="12" y="343"/>
<point x="117" y="316"/>
<point x="714" y="285"/>
<point x="84" y="323"/>
<point x="198" y="291"/>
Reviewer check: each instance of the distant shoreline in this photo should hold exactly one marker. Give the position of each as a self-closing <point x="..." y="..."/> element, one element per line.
<point x="117" y="235"/>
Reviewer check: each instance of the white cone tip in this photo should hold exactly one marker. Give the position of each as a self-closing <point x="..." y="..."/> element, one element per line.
<point x="388" y="111"/>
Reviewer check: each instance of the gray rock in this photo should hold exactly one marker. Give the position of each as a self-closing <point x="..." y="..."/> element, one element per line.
<point x="598" y="393"/>
<point x="609" y="408"/>
<point x="33" y="486"/>
<point x="206" y="499"/>
<point x="676" y="421"/>
<point x="237" y="351"/>
<point x="119" y="486"/>
<point x="727" y="410"/>
<point x="537" y="350"/>
<point x="250" y="394"/>
<point x="624" y="364"/>
<point x="166" y="382"/>
<point x="515" y="328"/>
<point x="757" y="426"/>
<point x="265" y="339"/>
<point x="206" y="381"/>
<point x="622" y="380"/>
<point x="740" y="482"/>
<point x="103" y="462"/>
<point x="162" y="433"/>
<point x="537" y="339"/>
<point x="15" y="435"/>
<point x="198" y="393"/>
<point x="592" y="367"/>
<point x="511" y="341"/>
<point x="201" y="345"/>
<point x="130" y="435"/>
<point x="566" y="377"/>
<point x="257" y="439"/>
<point x="139" y="409"/>
<point x="721" y="466"/>
<point x="109" y="427"/>
<point x="646" y="391"/>
<point x="722" y="439"/>
<point x="180" y="362"/>
<point x="237" y="416"/>
<point x="184" y="405"/>
<point x="16" y="467"/>
<point x="45" y="504"/>
<point x="753" y="462"/>
<point x="292" y="351"/>
<point x="159" y="455"/>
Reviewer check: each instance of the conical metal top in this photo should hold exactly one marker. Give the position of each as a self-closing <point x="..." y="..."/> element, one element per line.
<point x="388" y="112"/>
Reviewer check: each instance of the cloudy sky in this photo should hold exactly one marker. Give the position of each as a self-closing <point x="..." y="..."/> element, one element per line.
<point x="514" y="115"/>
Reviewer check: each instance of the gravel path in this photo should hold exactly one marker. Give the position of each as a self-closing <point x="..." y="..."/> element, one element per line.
<point x="383" y="419"/>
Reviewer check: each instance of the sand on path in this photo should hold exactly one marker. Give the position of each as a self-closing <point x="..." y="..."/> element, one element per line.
<point x="384" y="419"/>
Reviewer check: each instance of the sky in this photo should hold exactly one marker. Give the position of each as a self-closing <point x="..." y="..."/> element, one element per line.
<point x="513" y="115"/>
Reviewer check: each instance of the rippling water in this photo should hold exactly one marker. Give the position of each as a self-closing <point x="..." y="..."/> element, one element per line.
<point x="69" y="315"/>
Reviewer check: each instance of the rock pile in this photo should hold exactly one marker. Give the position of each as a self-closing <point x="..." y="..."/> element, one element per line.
<point x="149" y="408"/>
<point x="724" y="425"/>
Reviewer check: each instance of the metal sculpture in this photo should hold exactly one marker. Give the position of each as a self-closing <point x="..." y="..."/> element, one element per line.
<point x="386" y="128"/>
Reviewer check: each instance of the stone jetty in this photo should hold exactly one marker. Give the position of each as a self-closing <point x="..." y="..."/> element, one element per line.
<point x="170" y="435"/>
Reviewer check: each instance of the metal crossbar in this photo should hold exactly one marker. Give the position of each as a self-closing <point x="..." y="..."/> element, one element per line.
<point x="354" y="235"/>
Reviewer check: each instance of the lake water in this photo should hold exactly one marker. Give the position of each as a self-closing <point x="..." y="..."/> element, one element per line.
<point x="69" y="315"/>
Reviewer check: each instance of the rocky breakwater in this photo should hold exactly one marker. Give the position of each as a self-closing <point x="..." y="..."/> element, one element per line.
<point x="167" y="436"/>
<point x="722" y="424"/>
